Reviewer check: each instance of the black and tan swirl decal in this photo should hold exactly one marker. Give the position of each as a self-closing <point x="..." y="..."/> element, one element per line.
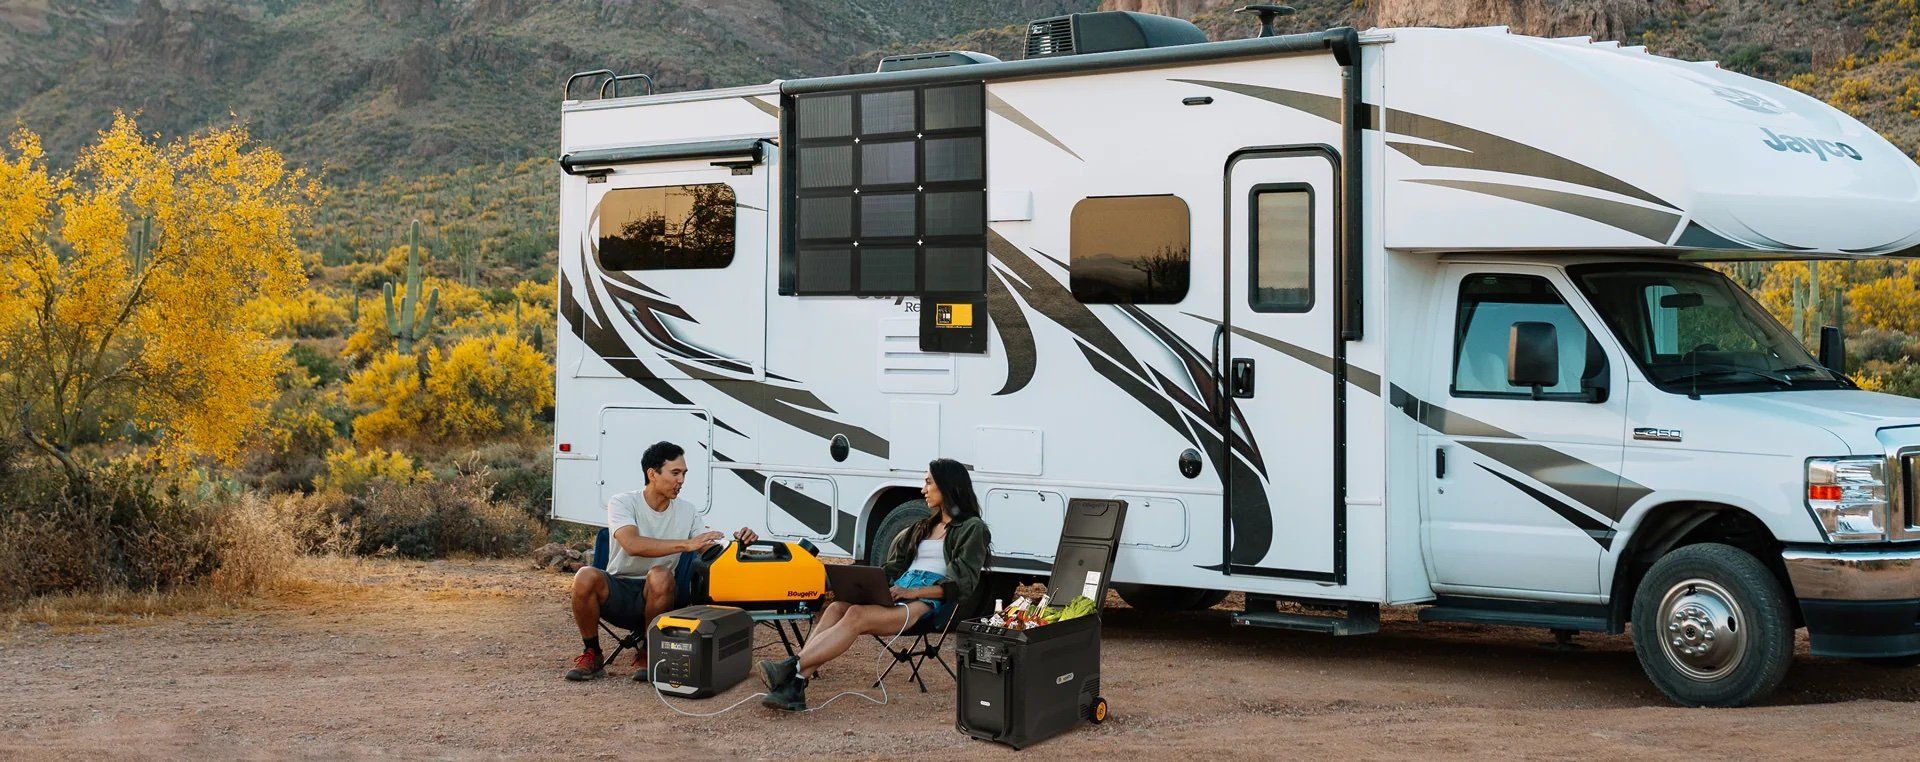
<point x="815" y="515"/>
<point x="1600" y="490"/>
<point x="597" y="332"/>
<point x="1463" y="147"/>
<point x="1188" y="408"/>
<point x="793" y="406"/>
<point x="1015" y="335"/>
<point x="1598" y="531"/>
<point x="1008" y="112"/>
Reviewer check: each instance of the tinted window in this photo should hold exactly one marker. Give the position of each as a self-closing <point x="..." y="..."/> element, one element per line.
<point x="676" y="227"/>
<point x="1282" y="269"/>
<point x="1130" y="250"/>
<point x="1489" y="306"/>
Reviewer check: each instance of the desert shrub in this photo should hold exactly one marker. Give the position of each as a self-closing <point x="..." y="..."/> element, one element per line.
<point x="321" y="523"/>
<point x="520" y="473"/>
<point x="434" y="519"/>
<point x="131" y="526"/>
<point x="308" y="313"/>
<point x="489" y="386"/>
<point x="484" y="387"/>
<point x="323" y="367"/>
<point x="427" y="519"/>
<point x="352" y="471"/>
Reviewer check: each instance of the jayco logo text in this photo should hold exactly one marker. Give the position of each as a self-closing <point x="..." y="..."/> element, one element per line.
<point x="1820" y="148"/>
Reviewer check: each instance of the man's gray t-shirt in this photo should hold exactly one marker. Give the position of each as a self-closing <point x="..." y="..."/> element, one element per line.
<point x="631" y="509"/>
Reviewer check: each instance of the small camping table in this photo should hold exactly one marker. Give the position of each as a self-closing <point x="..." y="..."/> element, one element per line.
<point x="781" y="621"/>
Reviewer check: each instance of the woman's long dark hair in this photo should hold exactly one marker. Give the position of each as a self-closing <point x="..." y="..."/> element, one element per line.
<point x="956" y="490"/>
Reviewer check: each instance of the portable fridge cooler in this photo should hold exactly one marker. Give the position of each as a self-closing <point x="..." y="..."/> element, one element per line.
<point x="1021" y="687"/>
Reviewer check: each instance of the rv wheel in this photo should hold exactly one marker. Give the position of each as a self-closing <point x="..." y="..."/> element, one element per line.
<point x="1711" y="627"/>
<point x="897" y="520"/>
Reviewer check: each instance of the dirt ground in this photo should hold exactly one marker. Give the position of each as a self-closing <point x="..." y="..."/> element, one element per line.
<point x="463" y="659"/>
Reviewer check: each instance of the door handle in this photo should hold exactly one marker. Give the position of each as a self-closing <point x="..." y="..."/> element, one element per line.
<point x="1439" y="462"/>
<point x="1242" y="382"/>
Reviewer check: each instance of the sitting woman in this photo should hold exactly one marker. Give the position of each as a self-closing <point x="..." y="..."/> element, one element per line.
<point x="935" y="564"/>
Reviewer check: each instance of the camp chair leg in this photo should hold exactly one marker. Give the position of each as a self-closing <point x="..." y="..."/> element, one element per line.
<point x="621" y="642"/>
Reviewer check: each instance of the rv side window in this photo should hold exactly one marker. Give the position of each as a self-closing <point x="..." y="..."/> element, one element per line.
<point x="1489" y="307"/>
<point x="1129" y="250"/>
<point x="675" y="227"/>
<point x="1282" y="238"/>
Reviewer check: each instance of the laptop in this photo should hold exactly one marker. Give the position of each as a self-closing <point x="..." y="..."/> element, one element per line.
<point x="859" y="585"/>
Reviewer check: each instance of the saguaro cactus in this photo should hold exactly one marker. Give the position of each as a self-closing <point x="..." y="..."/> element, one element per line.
<point x="469" y="266"/>
<point x="403" y="324"/>
<point x="140" y="248"/>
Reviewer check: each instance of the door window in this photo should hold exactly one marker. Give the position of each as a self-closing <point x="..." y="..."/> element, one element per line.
<point x="1282" y="236"/>
<point x="1489" y="306"/>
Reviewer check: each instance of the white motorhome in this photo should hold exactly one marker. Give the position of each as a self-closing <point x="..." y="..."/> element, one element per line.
<point x="1404" y="316"/>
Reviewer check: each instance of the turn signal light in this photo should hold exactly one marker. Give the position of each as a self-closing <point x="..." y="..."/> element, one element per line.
<point x="1814" y="491"/>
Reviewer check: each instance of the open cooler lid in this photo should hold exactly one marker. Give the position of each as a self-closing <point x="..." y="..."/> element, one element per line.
<point x="1083" y="564"/>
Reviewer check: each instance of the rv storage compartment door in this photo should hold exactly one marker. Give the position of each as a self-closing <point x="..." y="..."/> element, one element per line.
<point x="625" y="434"/>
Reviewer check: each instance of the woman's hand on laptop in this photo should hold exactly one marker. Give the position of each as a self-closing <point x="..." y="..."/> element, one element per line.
<point x="910" y="593"/>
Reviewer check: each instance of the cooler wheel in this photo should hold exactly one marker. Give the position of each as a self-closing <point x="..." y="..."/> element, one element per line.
<point x="1099" y="710"/>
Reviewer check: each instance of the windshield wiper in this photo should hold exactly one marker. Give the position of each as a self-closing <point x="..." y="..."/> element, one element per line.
<point x="1837" y="377"/>
<point x="1780" y="380"/>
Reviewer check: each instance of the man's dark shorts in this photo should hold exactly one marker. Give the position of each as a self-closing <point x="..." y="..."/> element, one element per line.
<point x="626" y="605"/>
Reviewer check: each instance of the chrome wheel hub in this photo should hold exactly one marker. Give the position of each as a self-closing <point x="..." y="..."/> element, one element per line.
<point x="1703" y="631"/>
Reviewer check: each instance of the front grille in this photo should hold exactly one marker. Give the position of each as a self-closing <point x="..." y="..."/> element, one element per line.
<point x="1050" y="37"/>
<point x="1910" y="492"/>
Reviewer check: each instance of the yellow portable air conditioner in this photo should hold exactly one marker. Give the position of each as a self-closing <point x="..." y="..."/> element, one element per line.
<point x="763" y="574"/>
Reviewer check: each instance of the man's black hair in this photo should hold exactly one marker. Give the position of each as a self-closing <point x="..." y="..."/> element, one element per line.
<point x="657" y="456"/>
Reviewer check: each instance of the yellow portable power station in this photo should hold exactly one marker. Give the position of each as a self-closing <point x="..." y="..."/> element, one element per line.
<point x="763" y="575"/>
<point x="699" y="651"/>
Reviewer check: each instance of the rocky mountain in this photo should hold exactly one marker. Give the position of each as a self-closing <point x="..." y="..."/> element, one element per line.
<point x="444" y="110"/>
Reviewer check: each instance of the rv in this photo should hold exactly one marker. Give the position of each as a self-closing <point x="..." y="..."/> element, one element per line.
<point x="1348" y="319"/>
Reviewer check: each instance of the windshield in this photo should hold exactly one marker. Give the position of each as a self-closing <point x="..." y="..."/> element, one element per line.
<point x="1691" y="330"/>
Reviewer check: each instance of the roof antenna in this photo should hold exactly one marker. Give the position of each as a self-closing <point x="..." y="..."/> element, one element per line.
<point x="1267" y="14"/>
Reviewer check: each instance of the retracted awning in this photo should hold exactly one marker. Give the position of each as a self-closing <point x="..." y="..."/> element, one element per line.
<point x="743" y="148"/>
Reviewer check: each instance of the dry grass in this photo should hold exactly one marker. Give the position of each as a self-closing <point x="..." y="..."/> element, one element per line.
<point x="84" y="612"/>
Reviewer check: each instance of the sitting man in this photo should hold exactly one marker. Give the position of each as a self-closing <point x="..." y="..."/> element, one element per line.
<point x="649" y="563"/>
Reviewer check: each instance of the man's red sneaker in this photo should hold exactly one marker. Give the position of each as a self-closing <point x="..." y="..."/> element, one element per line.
<point x="586" y="666"/>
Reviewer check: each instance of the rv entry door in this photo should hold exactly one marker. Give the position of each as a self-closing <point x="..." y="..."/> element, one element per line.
<point x="1276" y="361"/>
<point x="679" y="248"/>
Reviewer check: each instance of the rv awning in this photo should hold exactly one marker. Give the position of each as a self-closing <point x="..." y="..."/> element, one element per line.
<point x="744" y="148"/>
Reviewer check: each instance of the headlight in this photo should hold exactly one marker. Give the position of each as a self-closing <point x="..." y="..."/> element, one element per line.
<point x="1848" y="496"/>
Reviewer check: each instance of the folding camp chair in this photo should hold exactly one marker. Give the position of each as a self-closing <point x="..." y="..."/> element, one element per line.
<point x="635" y="639"/>
<point x="928" y="638"/>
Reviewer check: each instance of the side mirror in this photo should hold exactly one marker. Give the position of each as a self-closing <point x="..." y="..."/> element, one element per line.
<point x="1833" y="350"/>
<point x="1533" y="356"/>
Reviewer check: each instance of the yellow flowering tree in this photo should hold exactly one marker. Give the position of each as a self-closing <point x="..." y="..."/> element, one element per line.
<point x="124" y="286"/>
